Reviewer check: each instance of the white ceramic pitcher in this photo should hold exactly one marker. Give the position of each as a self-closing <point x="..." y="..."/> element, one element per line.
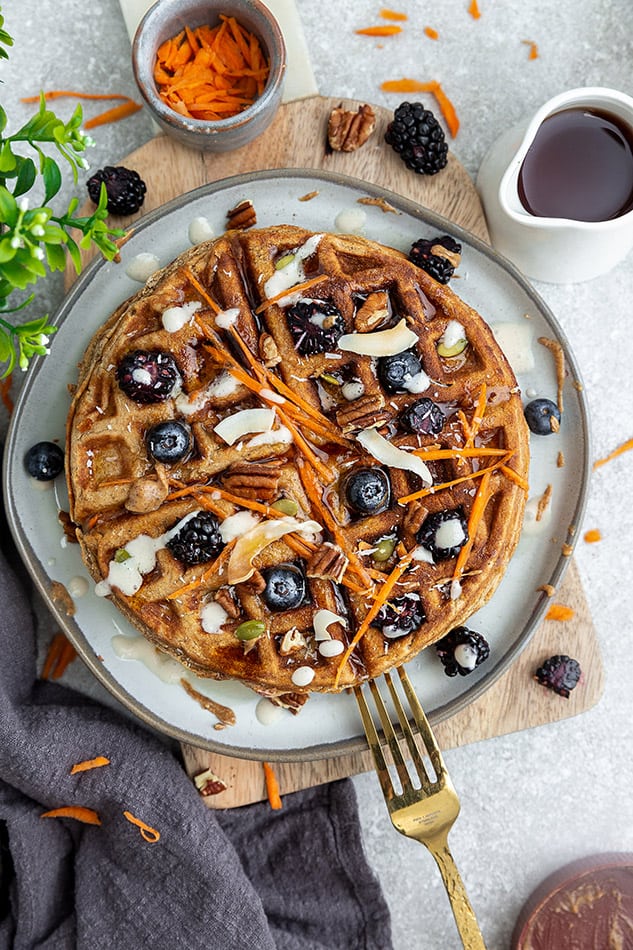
<point x="555" y="250"/>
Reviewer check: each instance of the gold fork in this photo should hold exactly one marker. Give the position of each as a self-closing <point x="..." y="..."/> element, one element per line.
<point x="428" y="812"/>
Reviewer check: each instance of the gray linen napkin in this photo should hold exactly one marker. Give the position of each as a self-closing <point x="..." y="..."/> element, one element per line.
<point x="295" y="879"/>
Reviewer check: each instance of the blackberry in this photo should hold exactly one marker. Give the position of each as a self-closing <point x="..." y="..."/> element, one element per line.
<point x="423" y="417"/>
<point x="148" y="375"/>
<point x="285" y="587"/>
<point x="125" y="188"/>
<point x="416" y="135"/>
<point x="559" y="673"/>
<point x="169" y="441"/>
<point x="315" y="326"/>
<point x="400" y="616"/>
<point x="44" y="461"/>
<point x="198" y="540"/>
<point x="542" y="416"/>
<point x="462" y="650"/>
<point x="394" y="372"/>
<point x="367" y="490"/>
<point x="428" y="256"/>
<point x="444" y="534"/>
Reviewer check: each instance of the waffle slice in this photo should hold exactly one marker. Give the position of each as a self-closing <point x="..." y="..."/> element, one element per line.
<point x="352" y="479"/>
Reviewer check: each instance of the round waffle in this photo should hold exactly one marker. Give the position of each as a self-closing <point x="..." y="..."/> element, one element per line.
<point x="351" y="477"/>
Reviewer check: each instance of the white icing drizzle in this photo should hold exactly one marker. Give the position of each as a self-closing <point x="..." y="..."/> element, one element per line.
<point x="138" y="648"/>
<point x="268" y="713"/>
<point x="142" y="266"/>
<point x="175" y="318"/>
<point x="227" y="318"/>
<point x="303" y="676"/>
<point x="515" y="340"/>
<point x="293" y="272"/>
<point x="350" y="221"/>
<point x="237" y="524"/>
<point x="212" y="617"/>
<point x="200" y="230"/>
<point x="78" y="586"/>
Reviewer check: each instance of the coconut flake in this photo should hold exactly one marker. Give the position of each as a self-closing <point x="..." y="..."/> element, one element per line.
<point x="322" y="620"/>
<point x="240" y="423"/>
<point x="383" y="451"/>
<point x="380" y="342"/>
<point x="280" y="436"/>
<point x="253" y="542"/>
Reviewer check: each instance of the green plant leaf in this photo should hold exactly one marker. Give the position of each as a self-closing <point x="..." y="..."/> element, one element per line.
<point x="56" y="256"/>
<point x="52" y="178"/>
<point x="26" y="176"/>
<point x="7" y="158"/>
<point x="3" y="119"/>
<point x="8" y="208"/>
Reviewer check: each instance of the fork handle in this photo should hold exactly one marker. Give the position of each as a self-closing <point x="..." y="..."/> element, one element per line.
<point x="463" y="912"/>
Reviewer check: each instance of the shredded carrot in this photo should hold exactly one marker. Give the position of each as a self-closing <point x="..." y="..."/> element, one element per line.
<point x="73" y="94"/>
<point x="78" y="812"/>
<point x="433" y="455"/>
<point x="387" y="14"/>
<point x="113" y="115"/>
<point x="431" y="33"/>
<point x="324" y="473"/>
<point x="298" y="288"/>
<point x="559" y="612"/>
<point x="473" y="9"/>
<point x="515" y="477"/>
<point x="60" y="653"/>
<point x="211" y="73"/>
<point x="372" y="613"/>
<point x="559" y="361"/>
<point x="149" y="834"/>
<point x="476" y="514"/>
<point x="592" y="536"/>
<point x="478" y="416"/>
<point x="625" y="447"/>
<point x="196" y="283"/>
<point x="380" y="30"/>
<point x="88" y="764"/>
<point x="5" y="393"/>
<point x="272" y="787"/>
<point x="434" y="87"/>
<point x="212" y="569"/>
<point x="423" y="492"/>
<point x="533" y="54"/>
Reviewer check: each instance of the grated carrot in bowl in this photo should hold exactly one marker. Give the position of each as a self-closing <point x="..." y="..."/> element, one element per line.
<point x="211" y="73"/>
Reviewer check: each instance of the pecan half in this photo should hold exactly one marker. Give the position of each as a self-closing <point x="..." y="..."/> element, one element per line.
<point x="224" y="598"/>
<point x="208" y="783"/>
<point x="374" y="310"/>
<point x="327" y="562"/>
<point x="255" y="585"/>
<point x="414" y="518"/>
<point x="268" y="350"/>
<point x="256" y="481"/>
<point x="242" y="216"/>
<point x="363" y="413"/>
<point x="347" y="131"/>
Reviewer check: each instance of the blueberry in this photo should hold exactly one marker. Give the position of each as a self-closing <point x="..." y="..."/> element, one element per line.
<point x="198" y="541"/>
<point x="444" y="533"/>
<point x="542" y="416"/>
<point x="169" y="441"/>
<point x="395" y="371"/>
<point x="44" y="461"/>
<point x="285" y="587"/>
<point x="423" y="417"/>
<point x="367" y="490"/>
<point x="400" y="616"/>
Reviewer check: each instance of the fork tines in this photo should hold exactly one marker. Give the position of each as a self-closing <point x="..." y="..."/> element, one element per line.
<point x="415" y="731"/>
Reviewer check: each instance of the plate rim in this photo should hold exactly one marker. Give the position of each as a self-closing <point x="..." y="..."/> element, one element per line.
<point x="345" y="746"/>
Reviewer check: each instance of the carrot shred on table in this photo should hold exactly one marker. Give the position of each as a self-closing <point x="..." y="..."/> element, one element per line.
<point x="127" y="107"/>
<point x="434" y="87"/>
<point x="209" y="72"/>
<point x="431" y="33"/>
<point x="476" y="514"/>
<point x="113" y="115"/>
<point x="73" y="94"/>
<point x="592" y="536"/>
<point x="272" y="787"/>
<point x="473" y="9"/>
<point x="149" y="834"/>
<point x="560" y="612"/>
<point x="5" y="393"/>
<point x="533" y="53"/>
<point x="625" y="447"/>
<point x="388" y="14"/>
<point x="298" y="288"/>
<point x="86" y="815"/>
<point x="98" y="762"/>
<point x="380" y="30"/>
<point x="372" y="613"/>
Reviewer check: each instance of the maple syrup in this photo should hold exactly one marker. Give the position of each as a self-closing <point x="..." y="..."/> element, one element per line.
<point x="579" y="166"/>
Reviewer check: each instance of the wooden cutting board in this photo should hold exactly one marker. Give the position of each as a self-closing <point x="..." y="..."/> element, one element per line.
<point x="297" y="139"/>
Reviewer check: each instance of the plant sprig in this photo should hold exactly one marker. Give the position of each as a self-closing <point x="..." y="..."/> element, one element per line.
<point x="34" y="241"/>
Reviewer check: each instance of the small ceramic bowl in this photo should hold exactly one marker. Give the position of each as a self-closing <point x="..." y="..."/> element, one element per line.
<point x="166" y="19"/>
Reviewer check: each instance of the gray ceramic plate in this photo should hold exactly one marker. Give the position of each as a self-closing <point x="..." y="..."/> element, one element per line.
<point x="329" y="724"/>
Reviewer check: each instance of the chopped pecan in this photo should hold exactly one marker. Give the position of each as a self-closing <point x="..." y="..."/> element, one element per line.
<point x="363" y="413"/>
<point x="70" y="528"/>
<point x="374" y="310"/>
<point x="255" y="585"/>
<point x="242" y="216"/>
<point x="291" y="701"/>
<point x="253" y="480"/>
<point x="268" y="350"/>
<point x="347" y="131"/>
<point x="414" y="518"/>
<point x="224" y="598"/>
<point x="327" y="562"/>
<point x="292" y="641"/>
<point x="208" y="783"/>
